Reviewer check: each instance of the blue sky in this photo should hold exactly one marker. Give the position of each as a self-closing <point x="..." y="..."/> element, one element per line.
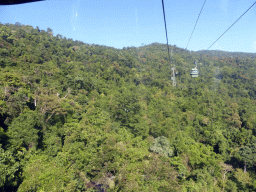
<point x="122" y="23"/>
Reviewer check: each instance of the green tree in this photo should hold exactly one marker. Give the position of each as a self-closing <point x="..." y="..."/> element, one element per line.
<point x="247" y="154"/>
<point x="6" y="34"/>
<point x="9" y="168"/>
<point x="161" y="145"/>
<point x="26" y="130"/>
<point x="44" y="174"/>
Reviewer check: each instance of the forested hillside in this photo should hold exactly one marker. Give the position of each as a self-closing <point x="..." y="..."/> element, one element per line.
<point x="80" y="117"/>
<point x="227" y="54"/>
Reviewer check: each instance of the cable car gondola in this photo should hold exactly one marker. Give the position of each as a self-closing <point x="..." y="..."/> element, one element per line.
<point x="194" y="71"/>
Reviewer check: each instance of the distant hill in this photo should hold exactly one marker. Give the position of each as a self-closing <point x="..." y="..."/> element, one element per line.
<point x="220" y="54"/>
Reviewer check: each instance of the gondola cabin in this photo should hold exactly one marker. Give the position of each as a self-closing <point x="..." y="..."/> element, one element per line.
<point x="194" y="72"/>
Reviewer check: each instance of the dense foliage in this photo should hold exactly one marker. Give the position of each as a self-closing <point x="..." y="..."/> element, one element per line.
<point x="80" y="117"/>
